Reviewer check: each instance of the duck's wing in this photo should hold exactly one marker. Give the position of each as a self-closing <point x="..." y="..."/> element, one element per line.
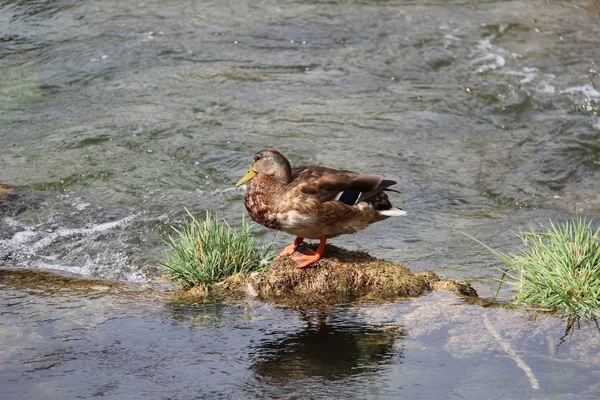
<point x="327" y="184"/>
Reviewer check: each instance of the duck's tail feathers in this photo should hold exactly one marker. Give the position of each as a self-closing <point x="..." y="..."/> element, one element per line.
<point x="392" y="212"/>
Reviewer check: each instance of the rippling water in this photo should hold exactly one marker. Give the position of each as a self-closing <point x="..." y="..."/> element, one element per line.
<point x="486" y="113"/>
<point x="115" y="115"/>
<point x="65" y="339"/>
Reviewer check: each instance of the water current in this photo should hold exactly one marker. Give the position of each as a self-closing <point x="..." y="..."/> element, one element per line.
<point x="115" y="115"/>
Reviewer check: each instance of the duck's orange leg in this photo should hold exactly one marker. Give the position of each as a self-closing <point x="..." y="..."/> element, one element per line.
<point x="304" y="260"/>
<point x="289" y="250"/>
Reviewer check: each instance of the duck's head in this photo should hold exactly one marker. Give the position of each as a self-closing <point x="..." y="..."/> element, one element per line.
<point x="269" y="162"/>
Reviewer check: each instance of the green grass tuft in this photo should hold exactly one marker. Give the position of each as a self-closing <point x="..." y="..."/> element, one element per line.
<point x="558" y="268"/>
<point x="209" y="250"/>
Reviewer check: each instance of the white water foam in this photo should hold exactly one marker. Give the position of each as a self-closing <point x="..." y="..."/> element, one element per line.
<point x="587" y="91"/>
<point x="32" y="247"/>
<point x="490" y="57"/>
<point x="490" y="62"/>
<point x="65" y="233"/>
<point x="487" y="57"/>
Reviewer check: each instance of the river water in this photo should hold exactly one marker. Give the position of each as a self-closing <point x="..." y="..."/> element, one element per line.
<point x="115" y="115"/>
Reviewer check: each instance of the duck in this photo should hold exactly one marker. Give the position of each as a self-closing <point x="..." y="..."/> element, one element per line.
<point x="313" y="202"/>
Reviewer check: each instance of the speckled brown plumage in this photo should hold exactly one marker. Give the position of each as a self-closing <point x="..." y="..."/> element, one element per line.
<point x="311" y="201"/>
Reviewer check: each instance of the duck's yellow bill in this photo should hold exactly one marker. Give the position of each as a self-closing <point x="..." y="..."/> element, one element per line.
<point x="251" y="174"/>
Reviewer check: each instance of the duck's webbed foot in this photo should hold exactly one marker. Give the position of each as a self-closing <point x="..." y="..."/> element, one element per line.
<point x="304" y="260"/>
<point x="291" y="249"/>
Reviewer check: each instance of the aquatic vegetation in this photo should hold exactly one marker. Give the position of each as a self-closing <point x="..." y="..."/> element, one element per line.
<point x="558" y="268"/>
<point x="208" y="251"/>
<point x="343" y="276"/>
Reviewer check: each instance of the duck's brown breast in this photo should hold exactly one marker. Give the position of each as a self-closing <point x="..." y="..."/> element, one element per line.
<point x="261" y="203"/>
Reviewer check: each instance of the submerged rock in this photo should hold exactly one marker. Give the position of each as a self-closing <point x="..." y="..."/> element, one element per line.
<point x="341" y="276"/>
<point x="7" y="192"/>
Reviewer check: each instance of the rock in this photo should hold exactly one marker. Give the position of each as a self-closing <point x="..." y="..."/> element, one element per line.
<point x="342" y="276"/>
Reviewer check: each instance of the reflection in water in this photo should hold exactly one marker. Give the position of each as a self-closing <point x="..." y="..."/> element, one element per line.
<point x="67" y="338"/>
<point x="205" y="316"/>
<point x="486" y="111"/>
<point x="325" y="350"/>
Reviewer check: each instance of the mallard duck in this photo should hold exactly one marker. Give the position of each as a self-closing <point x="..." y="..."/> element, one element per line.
<point x="313" y="202"/>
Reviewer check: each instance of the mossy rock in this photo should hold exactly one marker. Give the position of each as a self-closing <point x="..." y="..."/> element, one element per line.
<point x="6" y="192"/>
<point x="342" y="276"/>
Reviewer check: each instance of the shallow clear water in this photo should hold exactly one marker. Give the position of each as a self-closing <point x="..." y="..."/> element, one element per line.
<point x="115" y="115"/>
<point x="66" y="339"/>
